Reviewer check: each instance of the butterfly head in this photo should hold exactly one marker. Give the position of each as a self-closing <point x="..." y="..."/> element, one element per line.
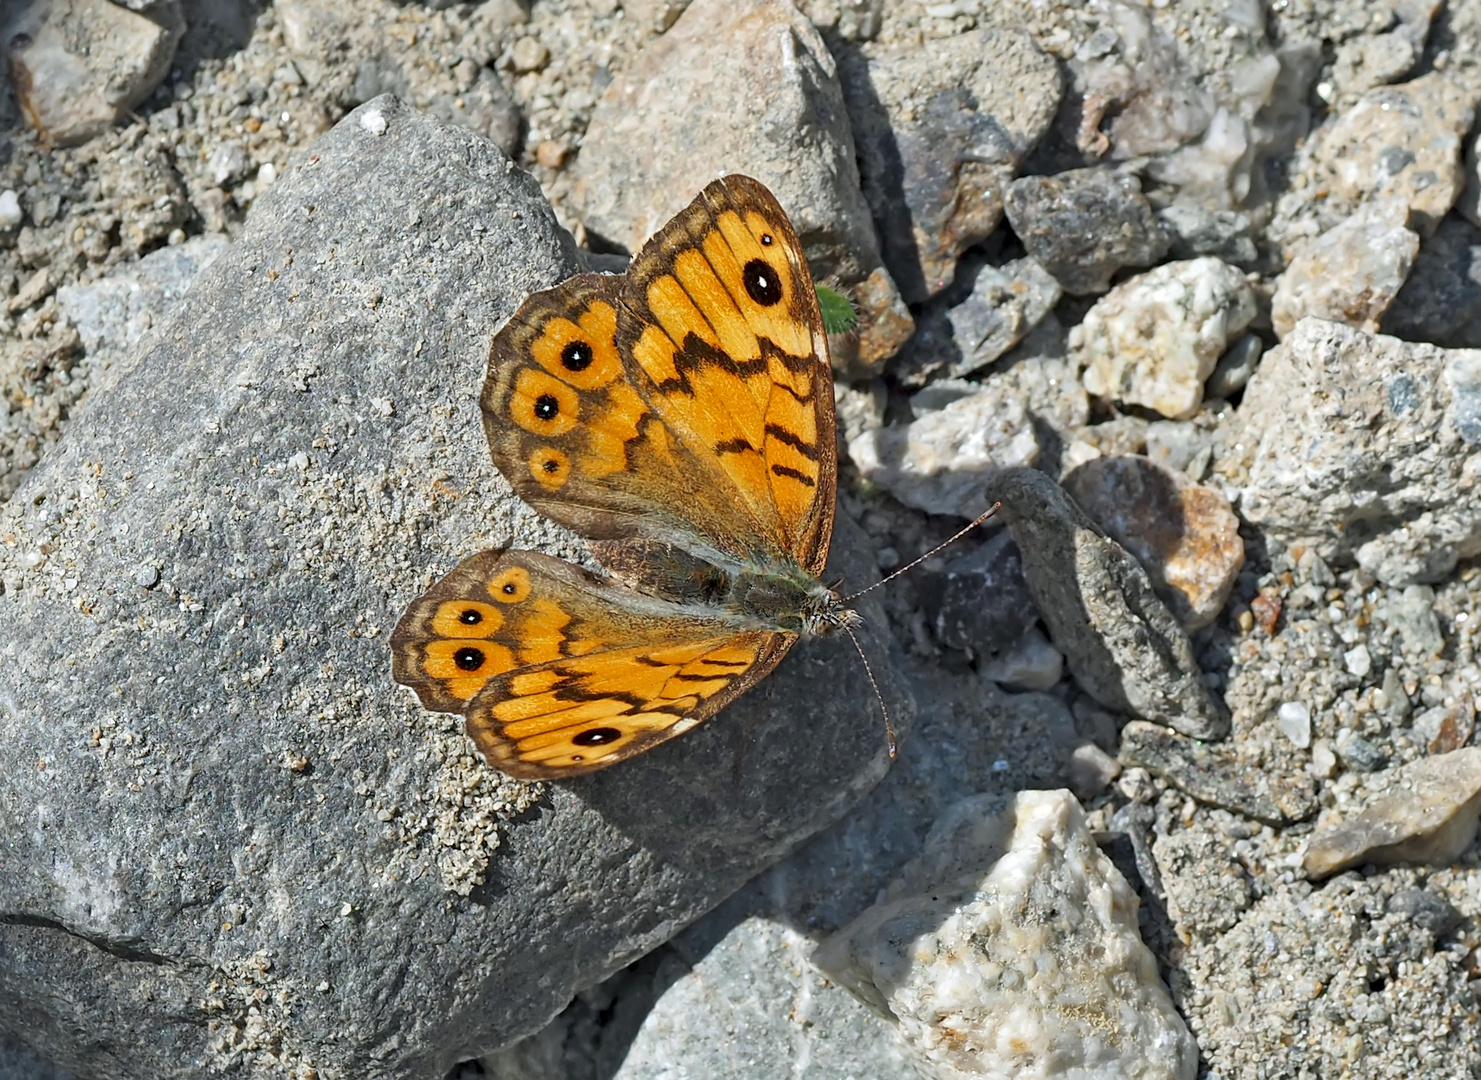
<point x="825" y="614"/>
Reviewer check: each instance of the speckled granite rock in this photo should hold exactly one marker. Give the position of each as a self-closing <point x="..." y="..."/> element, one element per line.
<point x="1364" y="448"/>
<point x="1351" y="273"/>
<point x="778" y="116"/>
<point x="1010" y="947"/>
<point x="1153" y="339"/>
<point x="233" y="846"/>
<point x="940" y="133"/>
<point x="1084" y="225"/>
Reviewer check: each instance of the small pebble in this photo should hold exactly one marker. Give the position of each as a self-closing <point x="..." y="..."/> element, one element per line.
<point x="146" y="576"/>
<point x="550" y="154"/>
<point x="529" y="54"/>
<point x="1358" y="661"/>
<point x="1295" y="723"/>
<point x="1323" y="759"/>
<point x="374" y="122"/>
<point x="10" y="209"/>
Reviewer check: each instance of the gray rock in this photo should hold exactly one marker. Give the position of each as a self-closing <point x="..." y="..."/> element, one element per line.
<point x="940" y="131"/>
<point x="1364" y="448"/>
<point x="941" y="461"/>
<point x="1008" y="942"/>
<point x="1004" y="306"/>
<point x="1235" y="367"/>
<point x="1425" y="910"/>
<point x="1197" y="231"/>
<point x="1084" y="225"/>
<point x="1440" y="301"/>
<point x="1351" y="273"/>
<point x="1207" y="888"/>
<point x="1412" y="614"/>
<point x="1426" y="815"/>
<point x="1217" y="776"/>
<point x="778" y="115"/>
<point x="1359" y="754"/>
<point x="718" y="1020"/>
<point x="1124" y="648"/>
<point x="251" y="833"/>
<point x="19" y="1062"/>
<point x="979" y="602"/>
<point x="1177" y="444"/>
<point x="971" y="738"/>
<point x="113" y="313"/>
<point x="80" y="65"/>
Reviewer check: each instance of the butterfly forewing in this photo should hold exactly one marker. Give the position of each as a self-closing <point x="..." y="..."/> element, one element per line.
<point x="726" y="327"/>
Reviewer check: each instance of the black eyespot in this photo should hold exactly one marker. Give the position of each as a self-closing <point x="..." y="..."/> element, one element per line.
<point x="547" y="407"/>
<point x="762" y="283"/>
<point x="597" y="736"/>
<point x="577" y="356"/>
<point x="468" y="659"/>
<point x="551" y="465"/>
<point x="510" y="588"/>
<point x="766" y="239"/>
<point x="471" y="617"/>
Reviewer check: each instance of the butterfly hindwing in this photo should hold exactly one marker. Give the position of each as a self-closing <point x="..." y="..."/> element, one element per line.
<point x="539" y="655"/>
<point x="568" y="717"/>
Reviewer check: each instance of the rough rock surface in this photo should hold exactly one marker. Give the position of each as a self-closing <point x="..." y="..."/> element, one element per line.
<point x="643" y="160"/>
<point x="79" y="65"/>
<point x="1403" y="143"/>
<point x="1366" y="448"/>
<point x="196" y="633"/>
<point x="939" y="134"/>
<point x="1005" y="305"/>
<point x="1349" y="274"/>
<point x="1155" y="338"/>
<point x="1125" y="649"/>
<point x="941" y="461"/>
<point x="1184" y="534"/>
<point x="1083" y="226"/>
<point x="971" y="739"/>
<point x="1428" y="817"/>
<point x="1010" y="947"/>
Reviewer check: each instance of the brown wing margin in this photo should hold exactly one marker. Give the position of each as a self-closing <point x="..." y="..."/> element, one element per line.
<point x="575" y="716"/>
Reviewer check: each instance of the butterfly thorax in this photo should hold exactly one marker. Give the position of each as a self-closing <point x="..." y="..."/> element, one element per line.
<point x="787" y="598"/>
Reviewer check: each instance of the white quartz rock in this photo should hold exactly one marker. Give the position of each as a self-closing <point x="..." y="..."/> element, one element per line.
<point x="1009" y="949"/>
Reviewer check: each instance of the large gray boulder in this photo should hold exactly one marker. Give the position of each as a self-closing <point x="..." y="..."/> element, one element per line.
<point x="232" y="846"/>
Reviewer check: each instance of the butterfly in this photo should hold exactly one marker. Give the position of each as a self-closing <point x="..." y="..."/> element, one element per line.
<point x="680" y="417"/>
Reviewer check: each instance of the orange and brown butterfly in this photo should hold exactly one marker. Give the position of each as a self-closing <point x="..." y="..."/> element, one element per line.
<point x="679" y="416"/>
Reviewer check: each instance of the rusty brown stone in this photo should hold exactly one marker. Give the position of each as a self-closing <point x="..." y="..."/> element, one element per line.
<point x="1185" y="535"/>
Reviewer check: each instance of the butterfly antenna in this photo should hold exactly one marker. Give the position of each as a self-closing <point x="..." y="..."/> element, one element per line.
<point x="889" y="728"/>
<point x="913" y="563"/>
